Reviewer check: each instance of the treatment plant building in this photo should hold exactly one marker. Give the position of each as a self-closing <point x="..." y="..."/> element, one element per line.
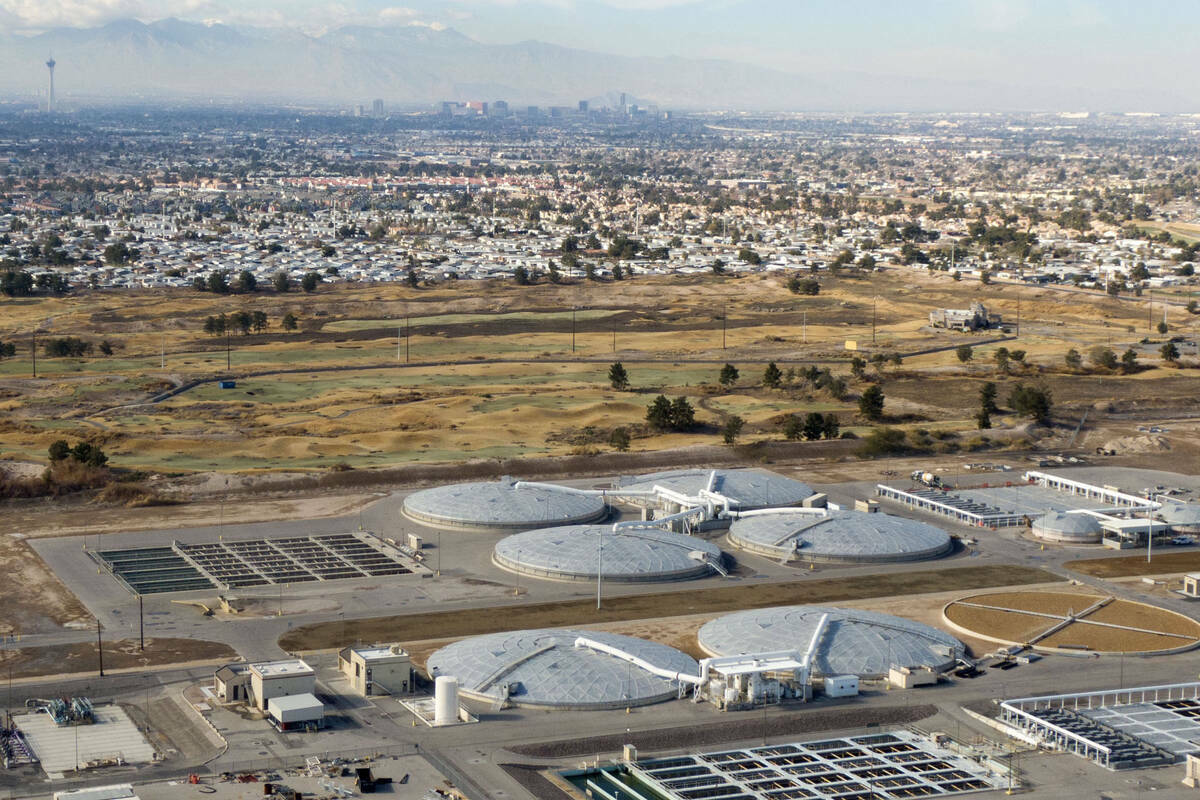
<point x="853" y="642"/>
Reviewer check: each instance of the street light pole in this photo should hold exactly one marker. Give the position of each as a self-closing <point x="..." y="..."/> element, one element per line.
<point x="99" y="647"/>
<point x="599" y="562"/>
<point x="873" y="301"/>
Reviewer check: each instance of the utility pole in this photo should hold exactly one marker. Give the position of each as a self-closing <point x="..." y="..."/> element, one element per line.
<point x="804" y="327"/>
<point x="1018" y="314"/>
<point x="572" y="329"/>
<point x="99" y="647"/>
<point x="407" y="337"/>
<point x="141" y="626"/>
<point x="599" y="561"/>
<point x="724" y="323"/>
<point x="1149" y="534"/>
<point x="873" y="300"/>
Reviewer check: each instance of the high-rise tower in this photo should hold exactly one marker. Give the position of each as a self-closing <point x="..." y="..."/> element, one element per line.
<point x="50" y="91"/>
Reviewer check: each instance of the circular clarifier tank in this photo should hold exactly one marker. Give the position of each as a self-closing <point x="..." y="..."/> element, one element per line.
<point x="746" y="488"/>
<point x="576" y="552"/>
<point x="838" y="537"/>
<point x="553" y="668"/>
<point x="1068" y="528"/>
<point x="502" y="506"/>
<point x="854" y="642"/>
<point x="1182" y="517"/>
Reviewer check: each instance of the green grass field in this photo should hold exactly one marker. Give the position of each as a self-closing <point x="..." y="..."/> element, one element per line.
<point x="352" y="325"/>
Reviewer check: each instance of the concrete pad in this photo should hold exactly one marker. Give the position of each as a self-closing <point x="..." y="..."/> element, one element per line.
<point x="113" y="735"/>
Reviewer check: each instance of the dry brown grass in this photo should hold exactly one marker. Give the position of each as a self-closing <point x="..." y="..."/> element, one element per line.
<point x="1015" y="626"/>
<point x="455" y="624"/>
<point x="1111" y="640"/>
<point x="1140" y="615"/>
<point x="122" y="654"/>
<point x="437" y="413"/>
<point x="1008" y="626"/>
<point x="1062" y="603"/>
<point x="1125" y="566"/>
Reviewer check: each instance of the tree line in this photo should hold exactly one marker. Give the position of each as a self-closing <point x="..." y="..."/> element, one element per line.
<point x="219" y="282"/>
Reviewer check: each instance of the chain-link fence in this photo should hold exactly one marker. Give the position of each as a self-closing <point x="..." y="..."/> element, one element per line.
<point x="286" y="761"/>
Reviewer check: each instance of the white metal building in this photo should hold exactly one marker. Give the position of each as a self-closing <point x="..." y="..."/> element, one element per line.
<point x="296" y="712"/>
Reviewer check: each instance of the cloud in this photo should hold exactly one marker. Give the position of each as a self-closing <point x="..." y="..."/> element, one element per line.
<point x="624" y="5"/>
<point x="35" y="14"/>
<point x="396" y="13"/>
<point x="999" y="15"/>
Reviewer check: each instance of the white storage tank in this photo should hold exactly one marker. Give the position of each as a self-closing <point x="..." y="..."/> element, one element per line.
<point x="841" y="686"/>
<point x="445" y="700"/>
<point x="1067" y="528"/>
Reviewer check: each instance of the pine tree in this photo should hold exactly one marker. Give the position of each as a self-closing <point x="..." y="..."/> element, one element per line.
<point x="618" y="377"/>
<point x="772" y="376"/>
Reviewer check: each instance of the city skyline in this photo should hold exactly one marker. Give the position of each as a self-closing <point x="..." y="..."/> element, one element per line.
<point x="1052" y="49"/>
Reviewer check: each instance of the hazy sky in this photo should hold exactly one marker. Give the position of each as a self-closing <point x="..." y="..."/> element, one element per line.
<point x="1114" y="43"/>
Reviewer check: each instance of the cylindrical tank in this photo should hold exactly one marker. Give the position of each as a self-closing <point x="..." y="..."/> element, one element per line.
<point x="445" y="700"/>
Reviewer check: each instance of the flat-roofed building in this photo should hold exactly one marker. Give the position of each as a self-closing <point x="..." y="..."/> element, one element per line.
<point x="296" y="712"/>
<point x="379" y="669"/>
<point x="231" y="684"/>
<point x="280" y="679"/>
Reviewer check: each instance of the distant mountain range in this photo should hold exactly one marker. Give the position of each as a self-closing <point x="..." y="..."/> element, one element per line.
<point x="184" y="61"/>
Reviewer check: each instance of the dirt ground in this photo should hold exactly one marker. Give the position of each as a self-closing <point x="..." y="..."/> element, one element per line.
<point x="1125" y="566"/>
<point x="1070" y="602"/>
<point x="36" y="521"/>
<point x="1175" y="629"/>
<point x="43" y="602"/>
<point x="1110" y="640"/>
<point x="457" y="624"/>
<point x="733" y="729"/>
<point x="120" y="654"/>
<point x="1006" y="626"/>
